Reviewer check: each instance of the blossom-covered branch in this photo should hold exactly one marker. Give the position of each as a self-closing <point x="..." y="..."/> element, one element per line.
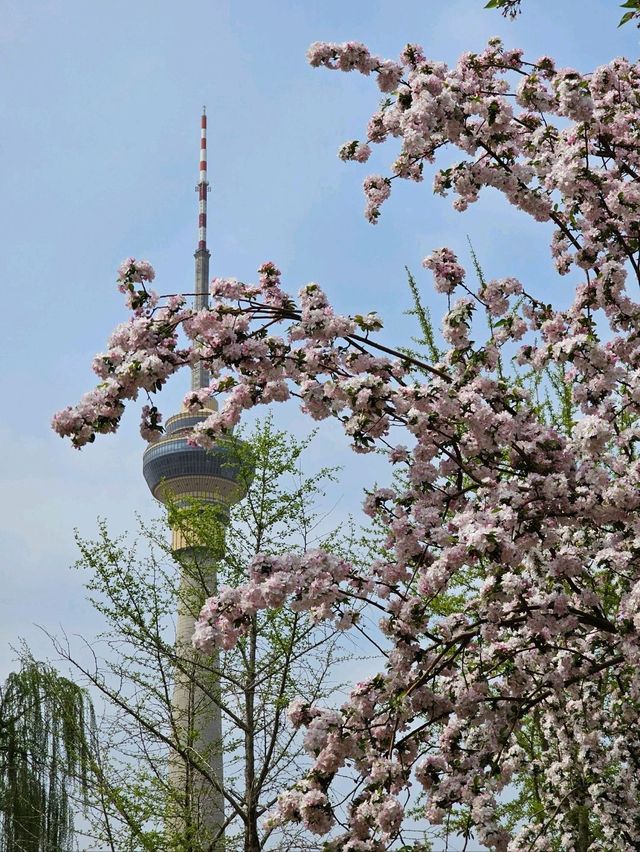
<point x="582" y="176"/>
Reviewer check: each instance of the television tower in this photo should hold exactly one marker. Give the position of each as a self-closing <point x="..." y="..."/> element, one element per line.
<point x="178" y="473"/>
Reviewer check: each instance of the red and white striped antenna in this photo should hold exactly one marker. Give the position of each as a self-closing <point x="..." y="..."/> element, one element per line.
<point x="199" y="376"/>
<point x="203" y="186"/>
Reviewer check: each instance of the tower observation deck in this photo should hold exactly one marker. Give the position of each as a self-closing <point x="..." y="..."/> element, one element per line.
<point x="177" y="473"/>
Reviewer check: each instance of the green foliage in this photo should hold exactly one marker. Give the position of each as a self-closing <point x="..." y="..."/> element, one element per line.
<point x="509" y="8"/>
<point x="634" y="11"/>
<point x="559" y="403"/>
<point x="421" y="312"/>
<point x="512" y="8"/>
<point x="47" y="726"/>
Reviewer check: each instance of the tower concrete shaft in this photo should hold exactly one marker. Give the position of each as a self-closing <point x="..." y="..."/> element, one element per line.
<point x="180" y="474"/>
<point x="196" y="715"/>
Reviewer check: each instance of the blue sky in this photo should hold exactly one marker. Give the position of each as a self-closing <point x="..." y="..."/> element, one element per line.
<point x="98" y="159"/>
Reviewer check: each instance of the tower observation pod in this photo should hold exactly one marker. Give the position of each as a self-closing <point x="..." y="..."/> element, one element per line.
<point x="179" y="474"/>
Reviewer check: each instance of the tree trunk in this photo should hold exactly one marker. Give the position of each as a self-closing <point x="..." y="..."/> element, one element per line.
<point x="251" y="838"/>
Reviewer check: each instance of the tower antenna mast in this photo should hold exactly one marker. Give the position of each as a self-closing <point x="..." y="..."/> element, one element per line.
<point x="199" y="376"/>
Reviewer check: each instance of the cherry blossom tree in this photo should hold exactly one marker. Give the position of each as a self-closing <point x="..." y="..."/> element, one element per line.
<point x="508" y="594"/>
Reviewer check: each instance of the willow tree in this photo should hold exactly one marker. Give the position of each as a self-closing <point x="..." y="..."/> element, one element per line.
<point x="46" y="727"/>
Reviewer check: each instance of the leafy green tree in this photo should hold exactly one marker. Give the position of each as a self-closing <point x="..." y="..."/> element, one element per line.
<point x="47" y="724"/>
<point x="135" y="586"/>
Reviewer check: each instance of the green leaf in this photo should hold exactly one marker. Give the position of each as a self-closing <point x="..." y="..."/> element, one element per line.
<point x="628" y="16"/>
<point x="492" y="4"/>
<point x="630" y="4"/>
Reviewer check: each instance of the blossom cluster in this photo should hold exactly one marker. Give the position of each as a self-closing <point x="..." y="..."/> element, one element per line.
<point x="141" y="354"/>
<point x="312" y="580"/>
